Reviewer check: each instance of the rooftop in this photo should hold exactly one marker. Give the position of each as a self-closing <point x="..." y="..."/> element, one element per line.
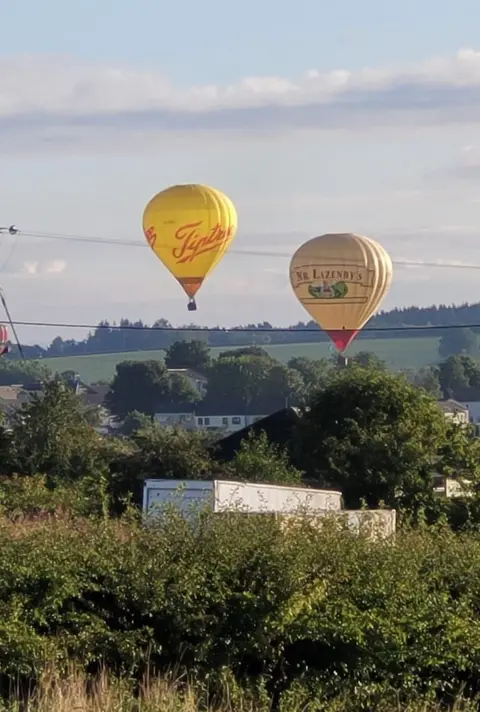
<point x="452" y="406"/>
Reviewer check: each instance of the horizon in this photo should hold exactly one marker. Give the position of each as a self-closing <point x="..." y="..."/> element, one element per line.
<point x="302" y="325"/>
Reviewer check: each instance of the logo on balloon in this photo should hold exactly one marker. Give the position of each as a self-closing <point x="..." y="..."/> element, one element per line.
<point x="337" y="290"/>
<point x="151" y="236"/>
<point x="194" y="242"/>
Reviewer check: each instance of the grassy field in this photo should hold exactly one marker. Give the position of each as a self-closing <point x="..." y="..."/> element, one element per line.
<point x="398" y="353"/>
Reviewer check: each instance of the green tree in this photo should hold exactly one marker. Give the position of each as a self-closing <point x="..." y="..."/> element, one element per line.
<point x="458" y="341"/>
<point x="380" y="439"/>
<point x="258" y="460"/>
<point x="135" y="421"/>
<point x="459" y="377"/>
<point x="428" y="379"/>
<point x="250" y="385"/>
<point x="245" y="351"/>
<point x="314" y="373"/>
<point x="24" y="373"/>
<point x="147" y="387"/>
<point x="188" y="354"/>
<point x="172" y="453"/>
<point x="367" y="359"/>
<point x="51" y="435"/>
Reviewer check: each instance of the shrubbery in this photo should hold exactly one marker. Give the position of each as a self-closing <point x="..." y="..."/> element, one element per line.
<point x="308" y="617"/>
<point x="305" y="615"/>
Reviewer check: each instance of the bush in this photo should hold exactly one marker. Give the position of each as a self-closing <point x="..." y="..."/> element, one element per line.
<point x="315" y="612"/>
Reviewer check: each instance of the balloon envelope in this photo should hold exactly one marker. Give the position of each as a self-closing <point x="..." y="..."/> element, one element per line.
<point x="190" y="227"/>
<point x="3" y="340"/>
<point x="341" y="280"/>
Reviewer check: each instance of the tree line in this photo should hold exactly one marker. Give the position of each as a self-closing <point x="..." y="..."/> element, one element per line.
<point x="244" y="381"/>
<point x="248" y="381"/>
<point x="137" y="336"/>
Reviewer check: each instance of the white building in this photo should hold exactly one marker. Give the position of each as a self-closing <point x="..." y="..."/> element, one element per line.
<point x="230" y="423"/>
<point x="473" y="409"/>
<point x="210" y="422"/>
<point x="455" y="411"/>
<point x="184" y="420"/>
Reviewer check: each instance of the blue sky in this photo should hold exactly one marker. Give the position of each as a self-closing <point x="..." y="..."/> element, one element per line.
<point x="314" y="117"/>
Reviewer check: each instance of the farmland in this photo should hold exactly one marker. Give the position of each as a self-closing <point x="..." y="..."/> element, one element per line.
<point x="399" y="354"/>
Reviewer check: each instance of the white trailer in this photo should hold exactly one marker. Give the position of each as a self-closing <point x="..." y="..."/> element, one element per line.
<point x="374" y="524"/>
<point x="249" y="497"/>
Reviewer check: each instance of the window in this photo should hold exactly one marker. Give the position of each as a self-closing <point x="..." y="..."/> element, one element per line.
<point x="224" y="421"/>
<point x="200" y="421"/>
<point x="236" y="420"/>
<point x="207" y="421"/>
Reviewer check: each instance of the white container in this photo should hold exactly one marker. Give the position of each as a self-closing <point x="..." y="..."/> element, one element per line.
<point x="251" y="497"/>
<point x="375" y="524"/>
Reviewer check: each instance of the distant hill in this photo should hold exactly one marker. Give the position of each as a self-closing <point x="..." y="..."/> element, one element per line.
<point x="130" y="336"/>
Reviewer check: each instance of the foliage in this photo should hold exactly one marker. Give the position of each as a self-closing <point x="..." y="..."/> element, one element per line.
<point x="134" y="422"/>
<point x="428" y="379"/>
<point x="380" y="439"/>
<point x="257" y="460"/>
<point x="367" y="359"/>
<point x="314" y="374"/>
<point x="459" y="377"/>
<point x="188" y="354"/>
<point x="245" y="351"/>
<point x="311" y="615"/>
<point x="307" y="617"/>
<point x="109" y="693"/>
<point x="138" y="336"/>
<point x="250" y="384"/>
<point x="146" y="386"/>
<point x="24" y="373"/>
<point x="51" y="434"/>
<point x="458" y="341"/>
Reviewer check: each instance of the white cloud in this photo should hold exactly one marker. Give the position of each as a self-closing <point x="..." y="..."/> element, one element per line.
<point x="61" y="100"/>
<point x="56" y="266"/>
<point x="30" y="267"/>
<point x="40" y="268"/>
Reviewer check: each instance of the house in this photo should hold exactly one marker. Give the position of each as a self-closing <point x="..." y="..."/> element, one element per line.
<point x="473" y="409"/>
<point x="195" y="379"/>
<point x="174" y="420"/>
<point x="230" y="423"/>
<point x="202" y="419"/>
<point x="94" y="395"/>
<point x="11" y="398"/>
<point x="278" y="428"/>
<point x="455" y="411"/>
<point x="450" y="487"/>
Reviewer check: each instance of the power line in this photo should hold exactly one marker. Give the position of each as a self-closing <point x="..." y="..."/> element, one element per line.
<point x="236" y="330"/>
<point x="13" y="230"/>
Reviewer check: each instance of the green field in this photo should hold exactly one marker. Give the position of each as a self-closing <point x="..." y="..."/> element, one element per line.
<point x="399" y="354"/>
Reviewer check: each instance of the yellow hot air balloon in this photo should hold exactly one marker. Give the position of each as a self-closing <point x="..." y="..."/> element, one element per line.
<point x="341" y="279"/>
<point x="190" y="227"/>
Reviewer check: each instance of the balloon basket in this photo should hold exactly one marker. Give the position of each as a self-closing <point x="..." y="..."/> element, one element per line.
<point x="191" y="306"/>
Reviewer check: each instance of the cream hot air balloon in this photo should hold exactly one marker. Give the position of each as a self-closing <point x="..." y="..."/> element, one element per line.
<point x="341" y="280"/>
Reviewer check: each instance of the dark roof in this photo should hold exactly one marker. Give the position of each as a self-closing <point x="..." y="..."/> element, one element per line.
<point x="278" y="428"/>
